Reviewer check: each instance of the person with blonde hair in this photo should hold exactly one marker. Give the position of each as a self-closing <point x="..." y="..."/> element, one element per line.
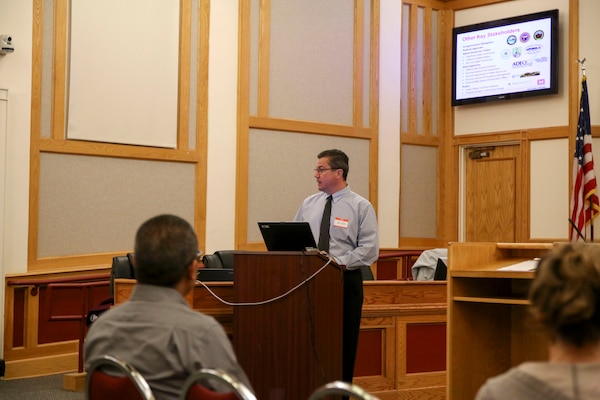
<point x="565" y="301"/>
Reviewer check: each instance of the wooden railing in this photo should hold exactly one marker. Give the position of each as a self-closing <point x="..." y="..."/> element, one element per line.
<point x="396" y="264"/>
<point x="44" y="315"/>
<point x="45" y="322"/>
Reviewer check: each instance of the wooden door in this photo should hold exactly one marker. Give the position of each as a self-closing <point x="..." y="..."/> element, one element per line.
<point x="491" y="194"/>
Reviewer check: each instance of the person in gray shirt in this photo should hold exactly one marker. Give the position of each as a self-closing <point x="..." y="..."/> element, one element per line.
<point x="351" y="239"/>
<point x="155" y="330"/>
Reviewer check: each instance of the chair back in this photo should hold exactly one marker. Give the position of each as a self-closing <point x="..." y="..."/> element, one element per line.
<point x="111" y="378"/>
<point x="219" y="259"/>
<point x="341" y="388"/>
<point x="122" y="267"/>
<point x="227" y="258"/>
<point x="195" y="386"/>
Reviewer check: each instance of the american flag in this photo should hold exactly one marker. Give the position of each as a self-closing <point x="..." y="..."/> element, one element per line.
<point x="584" y="200"/>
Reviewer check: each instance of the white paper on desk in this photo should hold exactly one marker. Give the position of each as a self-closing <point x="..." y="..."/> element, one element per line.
<point x="529" y="265"/>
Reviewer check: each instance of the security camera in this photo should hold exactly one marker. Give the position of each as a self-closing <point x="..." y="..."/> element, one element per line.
<point x="6" y="46"/>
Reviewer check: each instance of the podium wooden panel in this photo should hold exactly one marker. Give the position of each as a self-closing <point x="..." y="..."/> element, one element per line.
<point x="488" y="329"/>
<point x="290" y="343"/>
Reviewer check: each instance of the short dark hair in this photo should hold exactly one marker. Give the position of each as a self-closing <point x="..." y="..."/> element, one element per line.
<point x="337" y="160"/>
<point x="565" y="294"/>
<point x="165" y="246"/>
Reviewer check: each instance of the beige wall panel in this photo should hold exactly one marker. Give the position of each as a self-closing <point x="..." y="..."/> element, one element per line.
<point x="95" y="204"/>
<point x="549" y="181"/>
<point x="125" y="90"/>
<point x="311" y="63"/>
<point x="418" y="200"/>
<point x="280" y="174"/>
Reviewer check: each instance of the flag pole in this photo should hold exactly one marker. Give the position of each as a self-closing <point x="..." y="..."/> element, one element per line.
<point x="591" y="197"/>
<point x="583" y="78"/>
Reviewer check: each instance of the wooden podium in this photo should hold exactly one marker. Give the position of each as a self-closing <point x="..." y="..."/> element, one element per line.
<point x="488" y="329"/>
<point x="289" y="341"/>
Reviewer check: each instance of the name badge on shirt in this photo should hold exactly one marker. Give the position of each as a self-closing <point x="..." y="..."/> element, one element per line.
<point x="340" y="222"/>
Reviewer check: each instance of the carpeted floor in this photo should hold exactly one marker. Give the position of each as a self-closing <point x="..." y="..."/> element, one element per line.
<point x="40" y="388"/>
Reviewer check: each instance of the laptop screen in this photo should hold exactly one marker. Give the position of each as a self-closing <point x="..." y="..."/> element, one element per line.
<point x="287" y="236"/>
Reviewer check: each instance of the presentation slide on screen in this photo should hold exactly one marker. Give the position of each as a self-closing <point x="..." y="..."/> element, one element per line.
<point x="502" y="60"/>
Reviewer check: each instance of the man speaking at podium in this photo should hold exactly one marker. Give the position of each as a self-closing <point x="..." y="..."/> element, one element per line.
<point x="345" y="225"/>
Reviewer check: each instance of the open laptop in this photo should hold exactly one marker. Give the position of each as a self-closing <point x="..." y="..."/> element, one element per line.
<point x="287" y="236"/>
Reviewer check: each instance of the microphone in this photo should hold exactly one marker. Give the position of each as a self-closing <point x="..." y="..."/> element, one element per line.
<point x="577" y="229"/>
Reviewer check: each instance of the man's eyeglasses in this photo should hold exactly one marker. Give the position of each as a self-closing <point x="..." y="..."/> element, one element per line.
<point x="321" y="170"/>
<point x="199" y="255"/>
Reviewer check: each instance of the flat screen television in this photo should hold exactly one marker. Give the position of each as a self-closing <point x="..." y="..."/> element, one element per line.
<point x="505" y="59"/>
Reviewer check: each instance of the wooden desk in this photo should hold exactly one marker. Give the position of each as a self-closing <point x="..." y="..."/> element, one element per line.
<point x="402" y="344"/>
<point x="487" y="321"/>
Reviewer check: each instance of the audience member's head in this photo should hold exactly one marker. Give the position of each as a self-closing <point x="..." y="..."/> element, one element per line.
<point x="565" y="294"/>
<point x="165" y="247"/>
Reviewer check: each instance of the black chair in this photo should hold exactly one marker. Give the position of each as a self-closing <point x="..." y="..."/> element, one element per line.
<point x="122" y="267"/>
<point x="111" y="378"/>
<point x="219" y="259"/>
<point x="341" y="388"/>
<point x="227" y="258"/>
<point x="217" y="267"/>
<point x="196" y="386"/>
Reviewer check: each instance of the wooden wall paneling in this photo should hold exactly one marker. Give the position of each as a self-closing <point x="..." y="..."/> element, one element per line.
<point x="59" y="69"/>
<point x="185" y="16"/>
<point x="370" y="350"/>
<point x="55" y="142"/>
<point x="264" y="57"/>
<point x="201" y="133"/>
<point x="427" y="72"/>
<point x="241" y="187"/>
<point x="310" y="127"/>
<point x="387" y="269"/>
<point x="263" y="121"/>
<point x="419" y="111"/>
<point x="421" y="355"/>
<point x="375" y="367"/>
<point x="413" y="26"/>
<point x="359" y="54"/>
<point x="406" y="378"/>
<point x="14" y="328"/>
<point x="36" y="106"/>
<point x="374" y="104"/>
<point x="448" y="161"/>
<point x="34" y="344"/>
<point x="461" y="4"/>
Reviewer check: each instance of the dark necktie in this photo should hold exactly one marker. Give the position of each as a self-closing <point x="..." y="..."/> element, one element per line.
<point x="324" y="231"/>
